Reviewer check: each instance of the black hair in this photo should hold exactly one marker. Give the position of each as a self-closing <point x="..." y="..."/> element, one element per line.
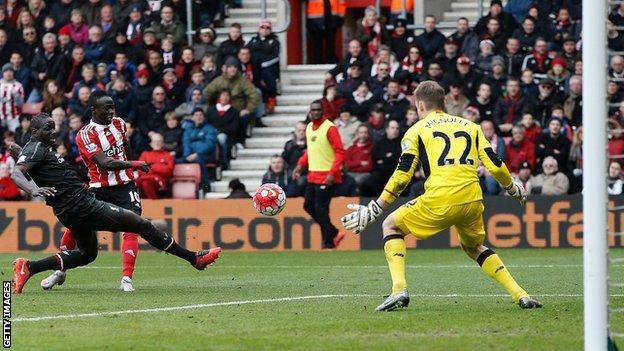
<point x="236" y="184"/>
<point x="39" y="120"/>
<point x="95" y="96"/>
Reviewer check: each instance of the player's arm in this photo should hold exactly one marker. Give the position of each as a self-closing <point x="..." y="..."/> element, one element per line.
<point x="497" y="168"/>
<point x="336" y="143"/>
<point x="26" y="161"/>
<point x="301" y="164"/>
<point x="110" y="164"/>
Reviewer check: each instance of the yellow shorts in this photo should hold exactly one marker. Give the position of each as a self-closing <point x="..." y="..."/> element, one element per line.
<point x="423" y="222"/>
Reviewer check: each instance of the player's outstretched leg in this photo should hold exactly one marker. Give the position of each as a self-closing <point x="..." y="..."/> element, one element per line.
<point x="395" y="251"/>
<point x="493" y="266"/>
<point x="58" y="277"/>
<point x="129" y="252"/>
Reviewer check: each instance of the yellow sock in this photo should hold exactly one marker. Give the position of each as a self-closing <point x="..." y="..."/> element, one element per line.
<point x="494" y="267"/>
<point x="395" y="250"/>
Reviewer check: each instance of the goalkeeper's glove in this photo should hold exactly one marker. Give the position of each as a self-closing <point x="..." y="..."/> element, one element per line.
<point x="517" y="191"/>
<point x="361" y="216"/>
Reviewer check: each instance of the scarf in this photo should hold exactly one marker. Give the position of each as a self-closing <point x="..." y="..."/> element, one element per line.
<point x="373" y="45"/>
<point x="413" y="67"/>
<point x="222" y="109"/>
<point x="511" y="101"/>
<point x="360" y="99"/>
<point x="539" y="59"/>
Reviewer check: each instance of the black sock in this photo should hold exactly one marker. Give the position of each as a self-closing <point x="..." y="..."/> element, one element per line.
<point x="48" y="263"/>
<point x="163" y="241"/>
<point x="181" y="252"/>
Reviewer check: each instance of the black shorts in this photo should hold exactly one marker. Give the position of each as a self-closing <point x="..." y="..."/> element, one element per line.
<point x="125" y="196"/>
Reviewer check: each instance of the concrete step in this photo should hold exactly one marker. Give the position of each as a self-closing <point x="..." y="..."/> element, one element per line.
<point x="303" y="88"/>
<point x="266" y="142"/>
<point x="308" y="68"/>
<point x="216" y="195"/>
<point x="256" y="3"/>
<point x="301" y="110"/>
<point x="223" y="35"/>
<point x="251" y="21"/>
<point x="250" y="173"/>
<point x="459" y="6"/>
<point x="251" y="184"/>
<point x="260" y="153"/>
<point x="303" y="78"/>
<point x="254" y="12"/>
<point x="281" y="121"/>
<point x="472" y="16"/>
<point x="249" y="164"/>
<point x="299" y="99"/>
<point x="273" y="131"/>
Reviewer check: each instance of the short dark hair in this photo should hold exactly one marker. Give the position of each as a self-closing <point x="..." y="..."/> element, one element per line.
<point x="95" y="96"/>
<point x="236" y="25"/>
<point x="39" y="120"/>
<point x="431" y="94"/>
<point x="236" y="184"/>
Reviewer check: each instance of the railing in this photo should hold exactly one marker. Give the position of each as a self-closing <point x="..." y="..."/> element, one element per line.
<point x="263" y="14"/>
<point x="415" y="25"/>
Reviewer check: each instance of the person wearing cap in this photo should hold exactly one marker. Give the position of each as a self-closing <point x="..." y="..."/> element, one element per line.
<point x="61" y="10"/>
<point x="370" y="32"/>
<point x="519" y="150"/>
<point x="354" y="53"/>
<point x="497" y="77"/>
<point x="538" y="61"/>
<point x="135" y="25"/>
<point x="507" y="22"/>
<point x="455" y="101"/>
<point x="401" y="39"/>
<point x="169" y="26"/>
<point x="523" y="176"/>
<point x="245" y="98"/>
<point x="12" y="94"/>
<point x="431" y="41"/>
<point x="121" y="44"/>
<point x="546" y="98"/>
<point x="143" y="88"/>
<point x="199" y="143"/>
<point x="553" y="142"/>
<point x="483" y="62"/>
<point x="205" y="44"/>
<point x="559" y="74"/>
<point x="324" y="17"/>
<point x="265" y="57"/>
<point x="230" y="46"/>
<point x="526" y="35"/>
<point x="570" y="54"/>
<point x="448" y="57"/>
<point x="464" y="72"/>
<point x="174" y="88"/>
<point x="348" y="85"/>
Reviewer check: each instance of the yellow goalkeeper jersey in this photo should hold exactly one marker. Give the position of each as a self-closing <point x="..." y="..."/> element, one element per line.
<point x="449" y="149"/>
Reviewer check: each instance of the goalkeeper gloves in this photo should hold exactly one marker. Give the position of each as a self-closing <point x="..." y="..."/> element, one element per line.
<point x="361" y="216"/>
<point x="517" y="191"/>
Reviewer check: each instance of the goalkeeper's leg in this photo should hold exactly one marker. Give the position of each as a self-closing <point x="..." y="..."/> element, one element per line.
<point x="395" y="251"/>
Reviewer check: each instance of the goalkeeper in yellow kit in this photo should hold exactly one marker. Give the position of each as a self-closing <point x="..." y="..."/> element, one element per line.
<point x="449" y="149"/>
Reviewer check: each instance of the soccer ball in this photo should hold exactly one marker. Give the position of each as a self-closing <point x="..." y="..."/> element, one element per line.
<point x="269" y="199"/>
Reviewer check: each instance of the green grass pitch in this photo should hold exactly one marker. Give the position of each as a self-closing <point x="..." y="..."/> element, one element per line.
<point x="308" y="301"/>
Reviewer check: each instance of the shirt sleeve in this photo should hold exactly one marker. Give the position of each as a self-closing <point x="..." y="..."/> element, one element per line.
<point x="334" y="139"/>
<point x="408" y="163"/>
<point x="492" y="161"/>
<point x="31" y="155"/>
<point x="88" y="144"/>
<point x="303" y="160"/>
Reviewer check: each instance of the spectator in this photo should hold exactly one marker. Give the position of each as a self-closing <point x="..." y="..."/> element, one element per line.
<point x="237" y="190"/>
<point x="532" y="129"/>
<point x="455" y="101"/>
<point x="295" y="147"/>
<point x="62" y="10"/>
<point x="199" y="143"/>
<point x="21" y="71"/>
<point x="226" y="119"/>
<point x="464" y="73"/>
<point x="323" y="19"/>
<point x="175" y="90"/>
<point x="615" y="146"/>
<point x="546" y="99"/>
<point x="358" y="157"/>
<point x="401" y="39"/>
<point x="488" y="183"/>
<point x="187" y="65"/>
<point x="60" y="125"/>
<point x="551" y="182"/>
<point x="48" y="63"/>
<point x="92" y="10"/>
<point x="614" y="38"/>
<point x="344" y="66"/>
<point x="526" y="35"/>
<point x="277" y="174"/>
<point x="209" y="68"/>
<point x="205" y="44"/>
<point x="247" y="68"/>
<point x="483" y="61"/>
<point x="564" y="27"/>
<point x="80" y="106"/>
<point x="507" y="23"/>
<point x="614" y="181"/>
<point x="524" y="176"/>
<point x="134" y="26"/>
<point x="431" y="41"/>
<point x="347" y="127"/>
<point x="395" y="102"/>
<point x="513" y="105"/>
<point x="152" y="117"/>
<point x="495" y="35"/>
<point x="518" y="9"/>
<point x="553" y="143"/>
<point x="123" y="97"/>
<point x="88" y="79"/>
<point x="361" y="101"/>
<point x="170" y="54"/>
<point x="471" y="113"/>
<point x="154" y="183"/>
<point x="245" y="98"/>
<point x="168" y="26"/>
<point x="347" y="86"/>
<point x="12" y="94"/>
<point x="489" y="108"/>
<point x="78" y="29"/>
<point x="385" y="154"/>
<point x="573" y="104"/>
<point x="380" y="80"/>
<point x="462" y="32"/>
<point x="411" y="117"/>
<point x="96" y="48"/>
<point x="570" y="54"/>
<point x="53" y="96"/>
<point x="559" y="75"/>
<point x="528" y="84"/>
<point x="123" y="9"/>
<point x="265" y="57"/>
<point x="519" y="150"/>
<point x="22" y="134"/>
<point x="332" y="102"/>
<point x="185" y="110"/>
<point x="614" y="97"/>
<point x="576" y="161"/>
<point x="8" y="138"/>
<point x="616" y="70"/>
<point x="448" y="57"/>
<point x="385" y="55"/>
<point x="230" y="46"/>
<point x="377" y="121"/>
<point x="136" y="140"/>
<point x="497" y="78"/>
<point x="142" y="88"/>
<point x="121" y="67"/>
<point x="173" y="135"/>
<point x="74" y="69"/>
<point x="75" y="124"/>
<point x="107" y="23"/>
<point x="538" y="61"/>
<point x="512" y="57"/>
<point x="8" y="189"/>
<point x="412" y="68"/>
<point x="370" y="32"/>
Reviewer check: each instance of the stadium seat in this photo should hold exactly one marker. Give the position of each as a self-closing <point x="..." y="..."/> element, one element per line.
<point x="32" y="108"/>
<point x="186" y="180"/>
<point x="213" y="164"/>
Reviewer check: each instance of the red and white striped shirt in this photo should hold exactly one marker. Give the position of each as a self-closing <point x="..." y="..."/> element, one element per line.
<point x="11" y="99"/>
<point x="109" y="139"/>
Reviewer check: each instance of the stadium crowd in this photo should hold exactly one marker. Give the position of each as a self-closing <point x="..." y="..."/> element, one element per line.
<point x="517" y="72"/>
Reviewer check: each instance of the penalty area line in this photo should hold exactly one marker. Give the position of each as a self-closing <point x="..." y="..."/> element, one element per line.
<point x="262" y="301"/>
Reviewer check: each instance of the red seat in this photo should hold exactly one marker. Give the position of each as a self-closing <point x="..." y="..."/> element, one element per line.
<point x="186" y="180"/>
<point x="32" y="108"/>
<point x="183" y="190"/>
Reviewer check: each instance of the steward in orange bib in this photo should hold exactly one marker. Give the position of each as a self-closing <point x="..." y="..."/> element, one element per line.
<point x="323" y="158"/>
<point x="324" y="18"/>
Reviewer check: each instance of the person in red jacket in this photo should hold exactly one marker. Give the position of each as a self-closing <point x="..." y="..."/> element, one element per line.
<point x="323" y="157"/>
<point x="358" y="157"/>
<point x="161" y="169"/>
<point x="532" y="129"/>
<point x="519" y="150"/>
<point x="332" y="102"/>
<point x="8" y="189"/>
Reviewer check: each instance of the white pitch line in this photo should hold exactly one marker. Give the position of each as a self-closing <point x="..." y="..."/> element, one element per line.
<point x="357" y="266"/>
<point x="280" y="299"/>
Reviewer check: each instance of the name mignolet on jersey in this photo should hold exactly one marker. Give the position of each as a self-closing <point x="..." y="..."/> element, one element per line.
<point x="447" y="119"/>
